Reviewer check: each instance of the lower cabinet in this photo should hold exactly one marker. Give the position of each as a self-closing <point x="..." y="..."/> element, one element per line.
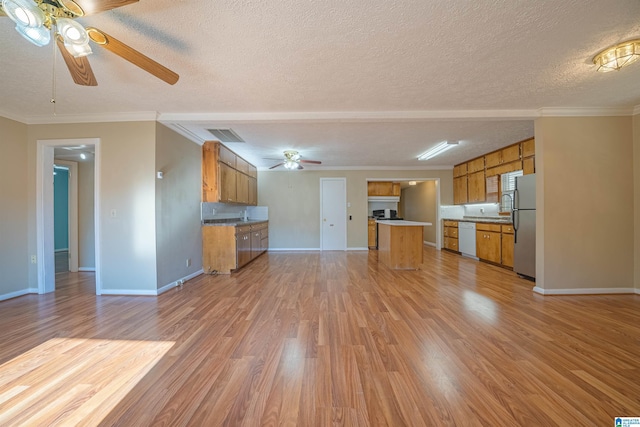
<point x="507" y="245"/>
<point x="371" y="232"/>
<point x="451" y="235"/>
<point x="228" y="247"/>
<point x="488" y="242"/>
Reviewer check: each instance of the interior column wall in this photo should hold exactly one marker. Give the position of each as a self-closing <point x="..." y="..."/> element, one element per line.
<point x="585" y="204"/>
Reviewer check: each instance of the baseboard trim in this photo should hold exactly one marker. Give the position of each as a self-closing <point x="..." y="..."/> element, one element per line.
<point x="358" y="249"/>
<point x="429" y="243"/>
<point x="87" y="269"/>
<point x="638" y="291"/>
<point x="585" y="291"/>
<point x="129" y="292"/>
<point x="172" y="285"/>
<point x="16" y="294"/>
<point x="293" y="249"/>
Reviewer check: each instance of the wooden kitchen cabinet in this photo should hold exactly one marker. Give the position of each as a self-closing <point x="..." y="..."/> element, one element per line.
<point x="476" y="187"/>
<point x="221" y="181"/>
<point x="371" y="233"/>
<point x="507" y="245"/>
<point x="451" y="235"/>
<point x="489" y="242"/>
<point x="242" y="188"/>
<point x="383" y="188"/>
<point x="475" y="165"/>
<point x="253" y="191"/>
<point x="460" y="195"/>
<point x="505" y="155"/>
<point x="529" y="166"/>
<point x="528" y="148"/>
<point x="228" y="247"/>
<point x="459" y="170"/>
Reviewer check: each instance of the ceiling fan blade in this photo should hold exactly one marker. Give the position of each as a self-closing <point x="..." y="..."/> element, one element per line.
<point x="79" y="68"/>
<point x="89" y="7"/>
<point x="279" y="164"/>
<point x="130" y="54"/>
<point x="314" y="162"/>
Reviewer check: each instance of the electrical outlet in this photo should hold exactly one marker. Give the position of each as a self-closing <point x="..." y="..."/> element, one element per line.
<point x="188" y="262"/>
<point x="34" y="260"/>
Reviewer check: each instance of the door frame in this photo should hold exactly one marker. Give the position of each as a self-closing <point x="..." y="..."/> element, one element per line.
<point x="73" y="212"/>
<point x="438" y="204"/>
<point x="44" y="210"/>
<point x="344" y="181"/>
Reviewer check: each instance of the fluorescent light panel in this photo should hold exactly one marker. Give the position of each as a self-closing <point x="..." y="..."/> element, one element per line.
<point x="438" y="149"/>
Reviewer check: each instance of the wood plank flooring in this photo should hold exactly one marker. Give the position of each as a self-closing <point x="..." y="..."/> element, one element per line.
<point x="322" y="339"/>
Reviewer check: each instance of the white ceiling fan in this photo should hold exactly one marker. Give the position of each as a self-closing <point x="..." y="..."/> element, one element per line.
<point x="292" y="160"/>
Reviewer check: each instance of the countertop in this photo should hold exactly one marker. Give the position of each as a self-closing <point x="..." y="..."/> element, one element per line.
<point x="232" y="222"/>
<point x="404" y="223"/>
<point x="490" y="220"/>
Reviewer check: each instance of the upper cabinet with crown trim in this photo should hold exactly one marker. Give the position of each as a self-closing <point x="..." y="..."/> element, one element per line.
<point x="226" y="177"/>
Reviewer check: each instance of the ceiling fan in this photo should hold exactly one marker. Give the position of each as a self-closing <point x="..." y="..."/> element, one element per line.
<point x="36" y="20"/>
<point x="292" y="160"/>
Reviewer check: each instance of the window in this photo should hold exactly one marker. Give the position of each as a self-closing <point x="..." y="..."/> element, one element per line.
<point x="508" y="182"/>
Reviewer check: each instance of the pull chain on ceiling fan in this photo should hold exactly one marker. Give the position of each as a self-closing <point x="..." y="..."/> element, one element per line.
<point x="292" y="160"/>
<point x="36" y="19"/>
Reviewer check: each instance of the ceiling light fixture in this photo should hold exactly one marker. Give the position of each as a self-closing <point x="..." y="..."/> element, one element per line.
<point x="412" y="183"/>
<point x="618" y="56"/>
<point x="438" y="149"/>
<point x="75" y="37"/>
<point x="291" y="159"/>
<point x="24" y="13"/>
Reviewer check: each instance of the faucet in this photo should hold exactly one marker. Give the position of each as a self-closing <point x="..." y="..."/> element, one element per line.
<point x="510" y="201"/>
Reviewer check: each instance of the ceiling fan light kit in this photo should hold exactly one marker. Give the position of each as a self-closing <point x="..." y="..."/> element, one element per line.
<point x="292" y="160"/>
<point x="36" y="19"/>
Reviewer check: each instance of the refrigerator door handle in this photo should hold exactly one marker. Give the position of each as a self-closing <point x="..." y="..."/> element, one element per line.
<point x="515" y="226"/>
<point x="516" y="201"/>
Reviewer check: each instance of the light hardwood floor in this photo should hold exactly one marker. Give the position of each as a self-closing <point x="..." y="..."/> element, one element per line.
<point x="322" y="339"/>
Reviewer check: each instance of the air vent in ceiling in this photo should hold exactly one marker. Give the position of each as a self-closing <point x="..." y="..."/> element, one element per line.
<point x="226" y="135"/>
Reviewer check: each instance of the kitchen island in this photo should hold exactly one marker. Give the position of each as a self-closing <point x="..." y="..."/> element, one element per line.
<point x="400" y="244"/>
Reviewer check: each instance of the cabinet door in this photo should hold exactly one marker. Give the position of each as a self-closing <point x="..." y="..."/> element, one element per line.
<point x="475" y="165"/>
<point x="256" y="243"/>
<point x="226" y="156"/>
<point x="242" y="165"/>
<point x="210" y="176"/>
<point x="476" y="187"/>
<point x="507" y="250"/>
<point x="227" y="183"/>
<point x="510" y="154"/>
<point x="243" y="245"/>
<point x="528" y="148"/>
<point x="493" y="159"/>
<point x="529" y="166"/>
<point x="380" y="188"/>
<point x="253" y="191"/>
<point x="371" y="234"/>
<point x="460" y="190"/>
<point x="488" y="246"/>
<point x="242" y="188"/>
<point x="395" y="189"/>
<point x="459" y="170"/>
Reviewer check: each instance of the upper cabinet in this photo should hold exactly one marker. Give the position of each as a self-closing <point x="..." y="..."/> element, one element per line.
<point x="226" y="177"/>
<point x="476" y="181"/>
<point x="383" y="188"/>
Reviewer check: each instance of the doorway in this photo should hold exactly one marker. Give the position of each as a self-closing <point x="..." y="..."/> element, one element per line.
<point x="333" y="214"/>
<point x="45" y="211"/>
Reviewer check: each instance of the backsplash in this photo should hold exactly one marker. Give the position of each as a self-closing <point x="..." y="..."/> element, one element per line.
<point x="225" y="211"/>
<point x="460" y="211"/>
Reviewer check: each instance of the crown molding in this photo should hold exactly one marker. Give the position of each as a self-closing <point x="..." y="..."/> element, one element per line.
<point x="584" y="112"/>
<point x="138" y="116"/>
<point x="349" y="116"/>
<point x="191" y="136"/>
<point x="361" y="168"/>
<point x="13" y="117"/>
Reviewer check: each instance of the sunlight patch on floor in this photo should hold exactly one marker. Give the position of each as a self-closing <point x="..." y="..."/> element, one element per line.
<point x="66" y="381"/>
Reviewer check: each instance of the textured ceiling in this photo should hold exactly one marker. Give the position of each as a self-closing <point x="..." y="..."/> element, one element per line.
<point x="352" y="83"/>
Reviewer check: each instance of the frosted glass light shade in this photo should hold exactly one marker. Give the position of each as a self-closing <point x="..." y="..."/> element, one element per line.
<point x="618" y="56"/>
<point x="24" y="12"/>
<point x="40" y="36"/>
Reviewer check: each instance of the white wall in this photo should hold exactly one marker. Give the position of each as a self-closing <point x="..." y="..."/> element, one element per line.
<point x="127" y="185"/>
<point x="178" y="195"/>
<point x="293" y="199"/>
<point x="585" y="203"/>
<point x="14" y="257"/>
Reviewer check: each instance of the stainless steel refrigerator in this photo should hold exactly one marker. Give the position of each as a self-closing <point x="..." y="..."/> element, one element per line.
<point x="524" y="226"/>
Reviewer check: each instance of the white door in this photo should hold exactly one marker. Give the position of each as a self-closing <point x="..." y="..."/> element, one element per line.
<point x="333" y="214"/>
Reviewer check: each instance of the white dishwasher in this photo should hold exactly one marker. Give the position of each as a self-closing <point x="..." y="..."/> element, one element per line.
<point x="467" y="238"/>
